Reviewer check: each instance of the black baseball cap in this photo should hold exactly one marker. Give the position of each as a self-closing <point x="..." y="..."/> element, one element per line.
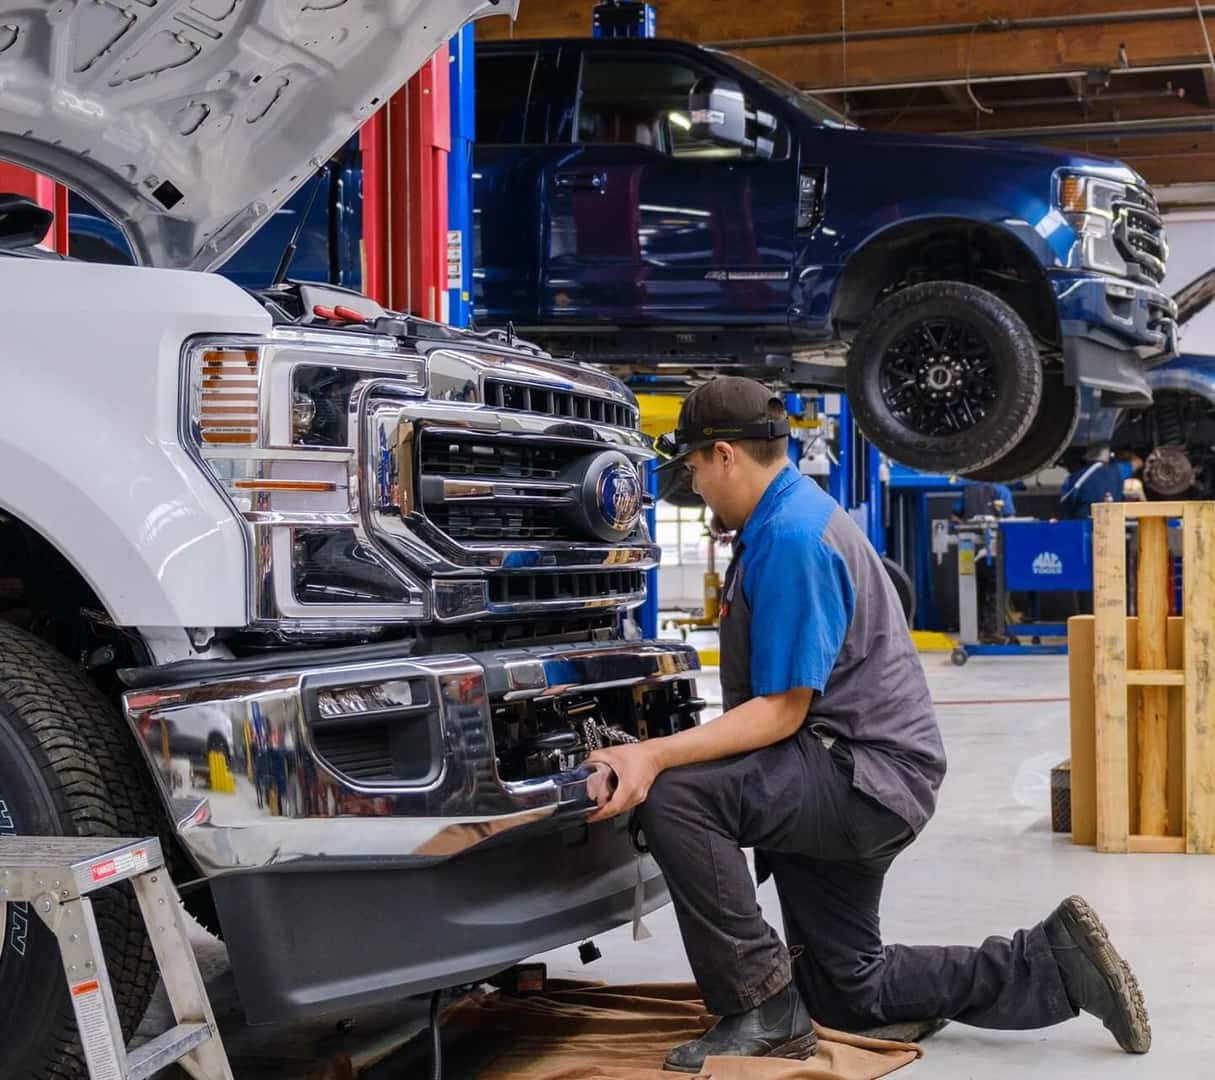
<point x="724" y="409"/>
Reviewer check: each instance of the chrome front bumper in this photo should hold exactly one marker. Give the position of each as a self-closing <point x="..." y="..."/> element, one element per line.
<point x="237" y="763"/>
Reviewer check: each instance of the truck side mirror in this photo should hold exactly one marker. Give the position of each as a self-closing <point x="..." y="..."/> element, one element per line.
<point x="718" y="112"/>
<point x="22" y="221"/>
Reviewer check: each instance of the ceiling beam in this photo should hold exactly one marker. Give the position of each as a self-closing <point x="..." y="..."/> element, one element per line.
<point x="1017" y="53"/>
<point x="727" y="22"/>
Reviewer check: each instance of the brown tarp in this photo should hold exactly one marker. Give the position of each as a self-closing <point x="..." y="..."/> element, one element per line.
<point x="587" y="1032"/>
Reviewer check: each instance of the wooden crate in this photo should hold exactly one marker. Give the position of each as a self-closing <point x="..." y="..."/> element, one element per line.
<point x="1148" y="727"/>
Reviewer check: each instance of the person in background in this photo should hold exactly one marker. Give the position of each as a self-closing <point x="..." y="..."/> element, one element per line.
<point x="1096" y="481"/>
<point x="979" y="499"/>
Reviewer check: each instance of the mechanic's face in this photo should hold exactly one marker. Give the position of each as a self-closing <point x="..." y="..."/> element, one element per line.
<point x="712" y="471"/>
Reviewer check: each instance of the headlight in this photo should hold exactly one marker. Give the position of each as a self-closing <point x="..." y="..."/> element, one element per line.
<point x="1089" y="203"/>
<point x="272" y="422"/>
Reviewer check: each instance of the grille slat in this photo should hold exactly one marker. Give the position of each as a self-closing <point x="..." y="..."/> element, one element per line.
<point x="495" y="521"/>
<point x="525" y="588"/>
<point x="521" y="397"/>
<point x="1139" y="235"/>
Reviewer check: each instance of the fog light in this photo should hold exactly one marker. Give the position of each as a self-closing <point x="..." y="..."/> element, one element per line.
<point x="355" y="700"/>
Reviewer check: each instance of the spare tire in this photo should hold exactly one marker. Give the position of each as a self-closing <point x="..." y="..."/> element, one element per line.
<point x="944" y="377"/>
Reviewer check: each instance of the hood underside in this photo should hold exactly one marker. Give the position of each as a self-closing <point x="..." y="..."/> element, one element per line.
<point x="189" y="122"/>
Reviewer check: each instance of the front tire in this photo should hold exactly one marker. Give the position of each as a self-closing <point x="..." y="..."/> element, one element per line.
<point x="67" y="768"/>
<point x="944" y="377"/>
<point x="1048" y="436"/>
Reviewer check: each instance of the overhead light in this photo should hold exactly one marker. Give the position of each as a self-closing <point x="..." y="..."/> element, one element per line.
<point x="680" y="121"/>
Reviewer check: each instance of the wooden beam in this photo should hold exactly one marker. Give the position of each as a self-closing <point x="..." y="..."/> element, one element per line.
<point x="725" y="21"/>
<point x="1109" y="676"/>
<point x="1007" y="113"/>
<point x="1153" y="589"/>
<point x="1198" y="573"/>
<point x="1083" y="725"/>
<point x="1156" y="845"/>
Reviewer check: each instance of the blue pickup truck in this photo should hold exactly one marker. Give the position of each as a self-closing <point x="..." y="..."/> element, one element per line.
<point x="669" y="210"/>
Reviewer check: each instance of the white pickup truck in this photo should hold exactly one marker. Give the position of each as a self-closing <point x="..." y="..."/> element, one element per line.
<point x="334" y="602"/>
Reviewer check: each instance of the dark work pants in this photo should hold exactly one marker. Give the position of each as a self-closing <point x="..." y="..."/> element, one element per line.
<point x="828" y="847"/>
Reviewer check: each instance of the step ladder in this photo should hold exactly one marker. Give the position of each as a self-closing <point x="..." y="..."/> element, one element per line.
<point x="54" y="875"/>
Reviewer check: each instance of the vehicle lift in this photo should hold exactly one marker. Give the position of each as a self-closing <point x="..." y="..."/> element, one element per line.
<point x="54" y="876"/>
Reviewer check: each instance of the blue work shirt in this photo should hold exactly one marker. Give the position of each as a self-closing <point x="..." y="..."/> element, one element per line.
<point x="1092" y="484"/>
<point x="807" y="603"/>
<point x="980" y="494"/>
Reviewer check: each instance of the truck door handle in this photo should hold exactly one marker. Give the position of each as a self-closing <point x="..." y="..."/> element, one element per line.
<point x="582" y="181"/>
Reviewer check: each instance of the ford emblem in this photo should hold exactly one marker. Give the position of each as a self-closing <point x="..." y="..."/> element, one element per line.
<point x="618" y="497"/>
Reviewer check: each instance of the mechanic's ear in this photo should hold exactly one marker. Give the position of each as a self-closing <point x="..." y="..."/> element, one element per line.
<point x="725" y="452"/>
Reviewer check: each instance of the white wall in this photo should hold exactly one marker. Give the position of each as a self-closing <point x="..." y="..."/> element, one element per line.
<point x="1191" y="235"/>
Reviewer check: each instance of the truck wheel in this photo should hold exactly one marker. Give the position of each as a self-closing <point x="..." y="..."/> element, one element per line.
<point x="67" y="768"/>
<point x="1048" y="436"/>
<point x="944" y="377"/>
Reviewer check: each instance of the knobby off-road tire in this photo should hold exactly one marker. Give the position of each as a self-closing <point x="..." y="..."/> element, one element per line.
<point x="1048" y="436"/>
<point x="961" y="344"/>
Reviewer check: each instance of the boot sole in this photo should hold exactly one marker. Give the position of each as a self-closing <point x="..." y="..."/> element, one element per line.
<point x="1089" y="932"/>
<point x="798" y="1049"/>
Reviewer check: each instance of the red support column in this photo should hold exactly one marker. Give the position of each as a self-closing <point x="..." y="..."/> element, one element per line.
<point x="373" y="142"/>
<point x="405" y="147"/>
<point x="429" y="97"/>
<point x="45" y="192"/>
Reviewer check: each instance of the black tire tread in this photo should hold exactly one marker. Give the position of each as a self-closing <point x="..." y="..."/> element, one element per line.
<point x="91" y="767"/>
<point x="1048" y="436"/>
<point x="924" y="452"/>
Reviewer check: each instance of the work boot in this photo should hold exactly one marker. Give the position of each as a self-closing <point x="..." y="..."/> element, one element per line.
<point x="780" y="1027"/>
<point x="1096" y="978"/>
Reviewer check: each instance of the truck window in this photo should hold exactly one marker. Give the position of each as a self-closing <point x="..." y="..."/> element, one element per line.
<point x="504" y="84"/>
<point x="641" y="100"/>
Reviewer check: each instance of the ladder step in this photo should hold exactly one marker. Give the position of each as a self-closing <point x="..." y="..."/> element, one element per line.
<point x="162" y="1051"/>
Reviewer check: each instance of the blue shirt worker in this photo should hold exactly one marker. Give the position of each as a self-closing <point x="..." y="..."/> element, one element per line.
<point x="827" y="762"/>
<point x="1095" y="482"/>
<point x="979" y="499"/>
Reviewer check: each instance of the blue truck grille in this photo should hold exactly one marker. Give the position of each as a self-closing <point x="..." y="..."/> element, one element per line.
<point x="1139" y="235"/>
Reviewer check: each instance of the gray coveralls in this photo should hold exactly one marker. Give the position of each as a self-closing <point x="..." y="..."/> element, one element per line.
<point x="827" y="814"/>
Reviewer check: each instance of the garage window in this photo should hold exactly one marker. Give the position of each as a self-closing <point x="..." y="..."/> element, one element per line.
<point x="504" y="85"/>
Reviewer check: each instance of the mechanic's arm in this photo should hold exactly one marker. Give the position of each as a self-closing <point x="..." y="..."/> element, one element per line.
<point x="752" y="725"/>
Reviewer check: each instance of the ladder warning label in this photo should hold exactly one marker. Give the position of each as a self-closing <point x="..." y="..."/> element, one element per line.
<point x="95" y="1034"/>
<point x="130" y="862"/>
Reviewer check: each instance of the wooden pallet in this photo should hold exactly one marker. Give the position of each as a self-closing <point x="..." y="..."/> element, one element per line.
<point x="1143" y="689"/>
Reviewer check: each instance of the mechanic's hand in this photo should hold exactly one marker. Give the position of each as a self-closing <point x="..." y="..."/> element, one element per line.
<point x="635" y="767"/>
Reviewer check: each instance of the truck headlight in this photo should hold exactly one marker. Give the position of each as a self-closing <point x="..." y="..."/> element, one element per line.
<point x="1089" y="205"/>
<point x="272" y="421"/>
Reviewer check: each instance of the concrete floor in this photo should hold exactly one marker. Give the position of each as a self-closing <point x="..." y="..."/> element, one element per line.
<point x="987" y="863"/>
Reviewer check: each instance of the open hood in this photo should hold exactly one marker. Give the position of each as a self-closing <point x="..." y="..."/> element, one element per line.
<point x="189" y="122"/>
<point x="1195" y="297"/>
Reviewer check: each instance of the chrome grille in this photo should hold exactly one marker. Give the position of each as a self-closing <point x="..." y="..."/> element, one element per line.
<point x="1139" y="235"/>
<point x="523" y="493"/>
<point x="523" y="397"/>
<point x="497" y="522"/>
<point x="445" y="455"/>
<point x="533" y="588"/>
